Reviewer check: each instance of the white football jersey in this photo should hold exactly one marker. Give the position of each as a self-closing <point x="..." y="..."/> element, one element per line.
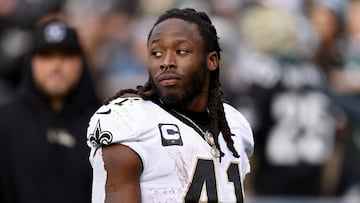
<point x="177" y="162"/>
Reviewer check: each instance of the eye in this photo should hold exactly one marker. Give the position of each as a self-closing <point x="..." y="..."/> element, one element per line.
<point x="181" y="51"/>
<point x="156" y="53"/>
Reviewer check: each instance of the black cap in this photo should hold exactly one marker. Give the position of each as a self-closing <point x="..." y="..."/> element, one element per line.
<point x="55" y="35"/>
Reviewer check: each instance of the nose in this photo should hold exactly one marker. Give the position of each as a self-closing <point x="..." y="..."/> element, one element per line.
<point x="57" y="61"/>
<point x="168" y="61"/>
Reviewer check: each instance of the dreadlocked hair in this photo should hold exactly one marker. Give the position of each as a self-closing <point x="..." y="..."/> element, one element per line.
<point x="218" y="121"/>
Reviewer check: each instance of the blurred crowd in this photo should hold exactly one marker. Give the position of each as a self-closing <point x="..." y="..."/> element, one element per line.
<point x="291" y="67"/>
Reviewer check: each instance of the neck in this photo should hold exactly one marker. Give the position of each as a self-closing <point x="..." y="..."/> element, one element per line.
<point x="57" y="104"/>
<point x="196" y="108"/>
<point x="197" y="104"/>
<point x="192" y="106"/>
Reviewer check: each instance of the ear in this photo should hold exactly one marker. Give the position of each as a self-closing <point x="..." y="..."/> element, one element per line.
<point x="212" y="61"/>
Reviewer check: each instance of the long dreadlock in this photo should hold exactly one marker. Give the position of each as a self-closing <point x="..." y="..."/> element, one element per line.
<point x="215" y="102"/>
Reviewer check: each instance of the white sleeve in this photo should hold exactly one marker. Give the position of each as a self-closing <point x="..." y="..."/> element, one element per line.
<point x="118" y="122"/>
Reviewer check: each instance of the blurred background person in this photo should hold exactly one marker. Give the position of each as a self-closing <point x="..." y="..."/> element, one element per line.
<point x="282" y="91"/>
<point x="17" y="18"/>
<point x="44" y="126"/>
<point x="345" y="81"/>
<point x="327" y="19"/>
<point x="346" y="90"/>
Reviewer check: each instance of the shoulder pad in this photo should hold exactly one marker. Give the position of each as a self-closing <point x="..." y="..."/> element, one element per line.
<point x="118" y="121"/>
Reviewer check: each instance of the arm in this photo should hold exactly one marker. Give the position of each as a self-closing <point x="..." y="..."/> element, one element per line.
<point x="123" y="167"/>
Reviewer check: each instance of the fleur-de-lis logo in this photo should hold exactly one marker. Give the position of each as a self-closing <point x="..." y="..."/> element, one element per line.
<point x="99" y="138"/>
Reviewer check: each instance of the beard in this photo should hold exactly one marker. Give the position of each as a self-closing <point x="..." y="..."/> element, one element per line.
<point x="190" y="91"/>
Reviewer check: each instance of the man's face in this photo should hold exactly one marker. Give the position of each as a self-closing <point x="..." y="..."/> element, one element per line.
<point x="178" y="44"/>
<point x="55" y="73"/>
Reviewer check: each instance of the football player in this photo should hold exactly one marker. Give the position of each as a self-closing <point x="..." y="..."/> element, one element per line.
<point x="174" y="138"/>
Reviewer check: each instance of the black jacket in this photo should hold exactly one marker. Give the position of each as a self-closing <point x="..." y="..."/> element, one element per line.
<point x="43" y="155"/>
